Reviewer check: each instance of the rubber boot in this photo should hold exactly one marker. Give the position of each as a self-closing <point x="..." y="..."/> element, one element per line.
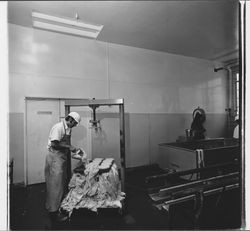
<point x="53" y="219"/>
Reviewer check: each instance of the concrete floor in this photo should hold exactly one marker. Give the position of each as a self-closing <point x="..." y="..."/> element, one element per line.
<point x="27" y="211"/>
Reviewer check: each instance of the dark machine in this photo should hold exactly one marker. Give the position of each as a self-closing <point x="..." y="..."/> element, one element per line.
<point x="197" y="130"/>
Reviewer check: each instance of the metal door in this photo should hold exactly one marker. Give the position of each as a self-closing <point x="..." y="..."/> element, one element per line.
<point x="41" y="115"/>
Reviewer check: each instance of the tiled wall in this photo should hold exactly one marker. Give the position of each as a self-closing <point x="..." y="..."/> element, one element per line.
<point x="160" y="90"/>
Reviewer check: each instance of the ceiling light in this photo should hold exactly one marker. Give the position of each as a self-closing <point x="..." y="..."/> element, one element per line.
<point x="65" y="25"/>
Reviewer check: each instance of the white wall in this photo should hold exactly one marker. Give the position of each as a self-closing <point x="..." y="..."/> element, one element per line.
<point x="160" y="90"/>
<point x="164" y="83"/>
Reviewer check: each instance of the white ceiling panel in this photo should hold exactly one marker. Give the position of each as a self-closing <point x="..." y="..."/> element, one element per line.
<point x="203" y="29"/>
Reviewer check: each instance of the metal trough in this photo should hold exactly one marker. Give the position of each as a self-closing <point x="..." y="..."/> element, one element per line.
<point x="183" y="156"/>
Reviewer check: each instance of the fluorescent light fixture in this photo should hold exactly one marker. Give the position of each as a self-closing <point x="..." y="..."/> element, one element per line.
<point x="65" y="25"/>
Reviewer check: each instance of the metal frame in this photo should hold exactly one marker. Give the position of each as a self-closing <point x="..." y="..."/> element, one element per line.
<point x="190" y="171"/>
<point x="101" y="102"/>
<point x="194" y="191"/>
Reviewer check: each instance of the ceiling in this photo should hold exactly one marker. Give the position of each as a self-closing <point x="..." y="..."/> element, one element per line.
<point x="203" y="29"/>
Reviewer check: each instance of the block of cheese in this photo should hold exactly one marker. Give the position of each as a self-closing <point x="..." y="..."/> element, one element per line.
<point x="106" y="164"/>
<point x="97" y="161"/>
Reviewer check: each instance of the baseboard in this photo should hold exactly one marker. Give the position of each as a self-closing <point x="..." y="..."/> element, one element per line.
<point x="36" y="184"/>
<point x="18" y="185"/>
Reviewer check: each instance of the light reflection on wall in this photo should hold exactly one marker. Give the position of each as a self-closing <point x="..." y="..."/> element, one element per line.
<point x="28" y="59"/>
<point x="210" y="96"/>
<point x="33" y="49"/>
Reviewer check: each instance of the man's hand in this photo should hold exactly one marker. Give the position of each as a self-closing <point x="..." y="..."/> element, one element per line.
<point x="84" y="156"/>
<point x="73" y="149"/>
<point x="80" y="155"/>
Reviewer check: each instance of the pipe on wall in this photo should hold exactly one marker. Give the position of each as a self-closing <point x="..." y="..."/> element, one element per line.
<point x="229" y="111"/>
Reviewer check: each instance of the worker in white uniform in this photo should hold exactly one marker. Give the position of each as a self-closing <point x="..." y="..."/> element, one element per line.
<point x="56" y="163"/>
<point x="236" y="129"/>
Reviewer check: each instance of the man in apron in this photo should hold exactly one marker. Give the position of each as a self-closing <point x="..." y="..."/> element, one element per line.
<point x="56" y="163"/>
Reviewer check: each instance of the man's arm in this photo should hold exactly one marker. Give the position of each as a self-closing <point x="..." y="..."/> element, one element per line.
<point x="55" y="144"/>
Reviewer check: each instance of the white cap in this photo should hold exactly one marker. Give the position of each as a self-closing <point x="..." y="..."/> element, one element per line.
<point x="75" y="116"/>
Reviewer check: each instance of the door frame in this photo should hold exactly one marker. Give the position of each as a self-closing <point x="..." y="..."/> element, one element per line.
<point x="30" y="98"/>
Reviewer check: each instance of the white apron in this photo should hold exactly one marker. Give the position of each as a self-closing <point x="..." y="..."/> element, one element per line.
<point x="56" y="175"/>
